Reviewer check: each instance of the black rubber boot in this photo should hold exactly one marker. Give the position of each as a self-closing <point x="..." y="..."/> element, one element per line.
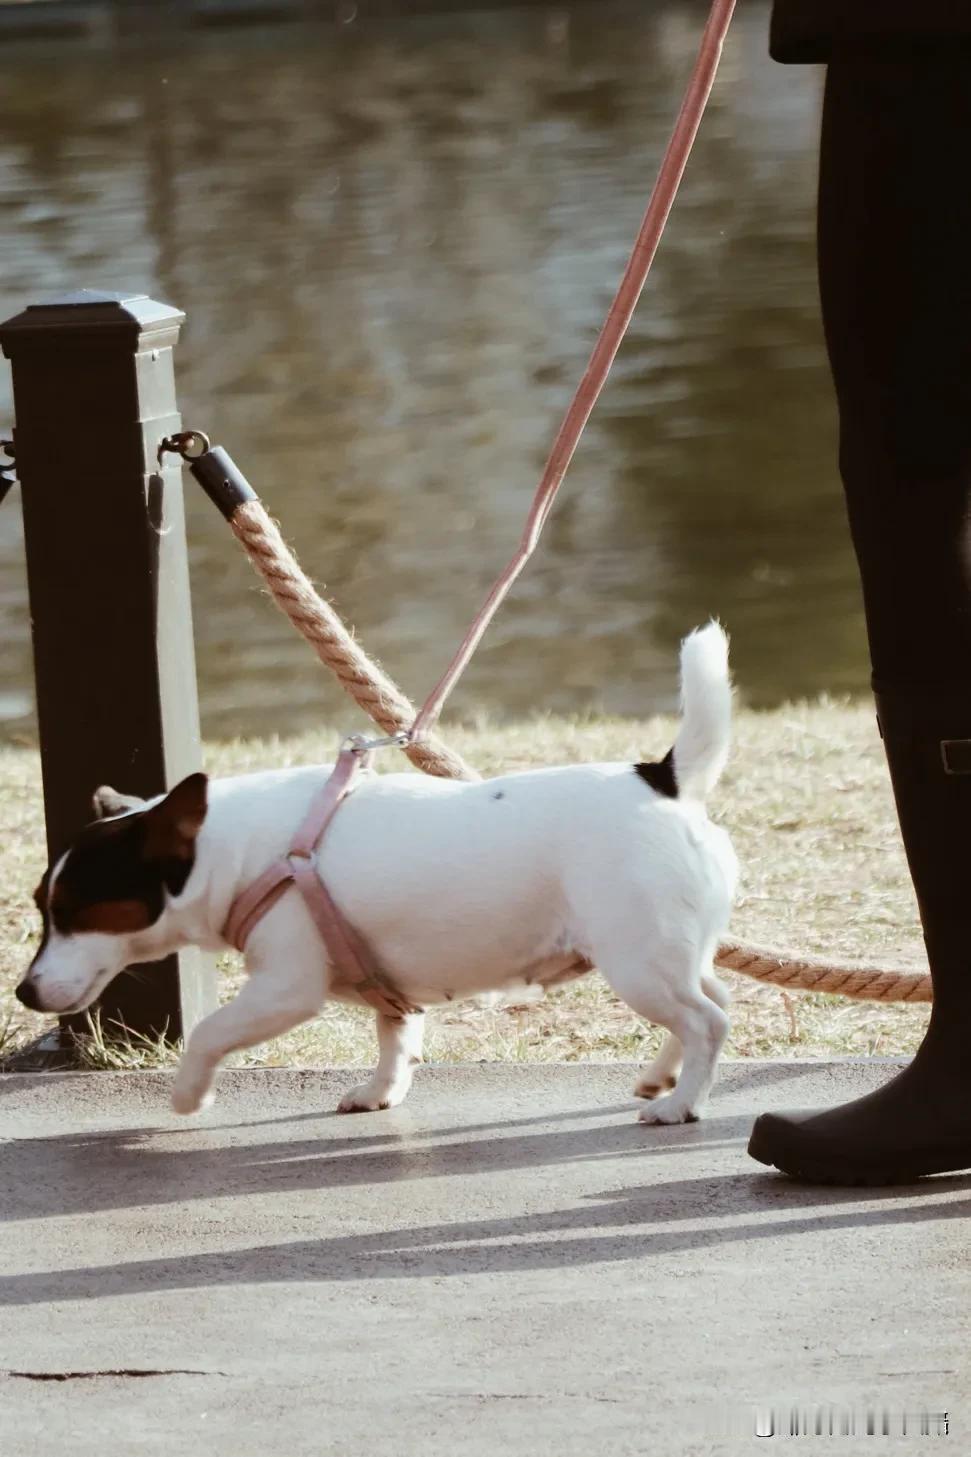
<point x="920" y="1122"/>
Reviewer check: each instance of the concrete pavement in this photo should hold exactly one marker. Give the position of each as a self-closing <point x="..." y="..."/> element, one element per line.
<point x="509" y="1263"/>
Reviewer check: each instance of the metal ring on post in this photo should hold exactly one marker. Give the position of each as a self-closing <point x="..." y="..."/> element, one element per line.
<point x="181" y="444"/>
<point x="214" y="468"/>
<point x="8" y="473"/>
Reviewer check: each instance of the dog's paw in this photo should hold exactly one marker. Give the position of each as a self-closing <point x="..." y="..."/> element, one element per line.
<point x="186" y="1099"/>
<point x="669" y="1110"/>
<point x="369" y="1098"/>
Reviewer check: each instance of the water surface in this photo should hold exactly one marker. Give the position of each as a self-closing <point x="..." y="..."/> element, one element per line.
<point x="395" y="242"/>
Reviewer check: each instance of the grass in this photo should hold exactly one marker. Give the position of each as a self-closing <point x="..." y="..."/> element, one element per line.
<point x="806" y="800"/>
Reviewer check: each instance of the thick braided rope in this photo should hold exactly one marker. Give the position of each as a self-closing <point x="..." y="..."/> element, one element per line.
<point x="366" y="683"/>
<point x="384" y="702"/>
<point x="795" y="973"/>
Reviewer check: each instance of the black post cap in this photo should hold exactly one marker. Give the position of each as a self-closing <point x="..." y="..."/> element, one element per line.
<point x="91" y="314"/>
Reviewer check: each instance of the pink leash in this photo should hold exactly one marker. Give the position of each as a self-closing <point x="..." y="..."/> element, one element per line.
<point x="347" y="950"/>
<point x="604" y="351"/>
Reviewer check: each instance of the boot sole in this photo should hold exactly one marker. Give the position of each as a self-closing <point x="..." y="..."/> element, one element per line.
<point x="816" y="1171"/>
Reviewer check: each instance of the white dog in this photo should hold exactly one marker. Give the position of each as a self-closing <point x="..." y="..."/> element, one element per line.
<point x="458" y="888"/>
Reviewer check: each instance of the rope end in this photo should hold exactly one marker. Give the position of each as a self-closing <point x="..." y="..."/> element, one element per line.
<point x="222" y="480"/>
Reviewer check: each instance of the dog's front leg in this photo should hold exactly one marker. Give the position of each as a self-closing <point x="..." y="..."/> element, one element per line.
<point x="263" y="1009"/>
<point x="399" y="1053"/>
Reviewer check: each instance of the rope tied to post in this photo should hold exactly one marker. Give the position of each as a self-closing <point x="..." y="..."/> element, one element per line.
<point x="296" y="596"/>
<point x="370" y="686"/>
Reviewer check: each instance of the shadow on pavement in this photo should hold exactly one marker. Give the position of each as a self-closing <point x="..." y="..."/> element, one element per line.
<point x="118" y="1170"/>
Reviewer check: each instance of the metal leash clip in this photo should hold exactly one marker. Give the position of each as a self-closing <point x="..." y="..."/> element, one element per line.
<point x="358" y="744"/>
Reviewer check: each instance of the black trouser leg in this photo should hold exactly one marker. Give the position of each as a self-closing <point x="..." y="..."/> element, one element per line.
<point x="895" y="283"/>
<point x="894" y="230"/>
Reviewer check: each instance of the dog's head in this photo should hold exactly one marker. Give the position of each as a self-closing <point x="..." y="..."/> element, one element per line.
<point x="104" y="898"/>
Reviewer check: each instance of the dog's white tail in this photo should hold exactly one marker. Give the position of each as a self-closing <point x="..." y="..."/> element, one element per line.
<point x="701" y="747"/>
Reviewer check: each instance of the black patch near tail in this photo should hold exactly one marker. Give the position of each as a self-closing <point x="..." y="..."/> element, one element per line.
<point x="660" y="776"/>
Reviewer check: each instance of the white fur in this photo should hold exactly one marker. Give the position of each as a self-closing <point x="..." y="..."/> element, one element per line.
<point x="460" y="889"/>
<point x="701" y="747"/>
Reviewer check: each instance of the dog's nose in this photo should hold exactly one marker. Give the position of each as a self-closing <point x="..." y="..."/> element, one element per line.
<point x="26" y="992"/>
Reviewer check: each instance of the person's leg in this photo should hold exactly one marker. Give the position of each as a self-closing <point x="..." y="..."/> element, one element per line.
<point x="895" y="278"/>
<point x="808" y="30"/>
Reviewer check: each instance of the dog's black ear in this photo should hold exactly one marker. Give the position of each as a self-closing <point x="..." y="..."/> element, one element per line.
<point x="107" y="802"/>
<point x="171" y="826"/>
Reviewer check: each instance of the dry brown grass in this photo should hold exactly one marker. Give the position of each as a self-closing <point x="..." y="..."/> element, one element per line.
<point x="806" y="799"/>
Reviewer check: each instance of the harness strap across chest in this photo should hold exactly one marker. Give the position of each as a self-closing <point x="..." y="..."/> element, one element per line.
<point x="353" y="961"/>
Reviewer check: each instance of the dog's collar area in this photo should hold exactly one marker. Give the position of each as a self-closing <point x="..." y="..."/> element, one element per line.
<point x="354" y="962"/>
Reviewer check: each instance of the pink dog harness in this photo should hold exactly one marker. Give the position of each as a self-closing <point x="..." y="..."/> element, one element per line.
<point x="351" y="957"/>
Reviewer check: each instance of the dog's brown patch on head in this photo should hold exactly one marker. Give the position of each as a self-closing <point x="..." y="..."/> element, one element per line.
<point x="114" y="917"/>
<point x="115" y="877"/>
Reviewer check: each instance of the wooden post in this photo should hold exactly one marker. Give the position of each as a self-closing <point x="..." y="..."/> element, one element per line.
<point x="108" y="578"/>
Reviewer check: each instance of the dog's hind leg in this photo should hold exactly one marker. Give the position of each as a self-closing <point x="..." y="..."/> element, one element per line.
<point x="702" y="1026"/>
<point x="716" y="989"/>
<point x="399" y="1053"/>
<point x="676" y="998"/>
<point x="662" y="1074"/>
